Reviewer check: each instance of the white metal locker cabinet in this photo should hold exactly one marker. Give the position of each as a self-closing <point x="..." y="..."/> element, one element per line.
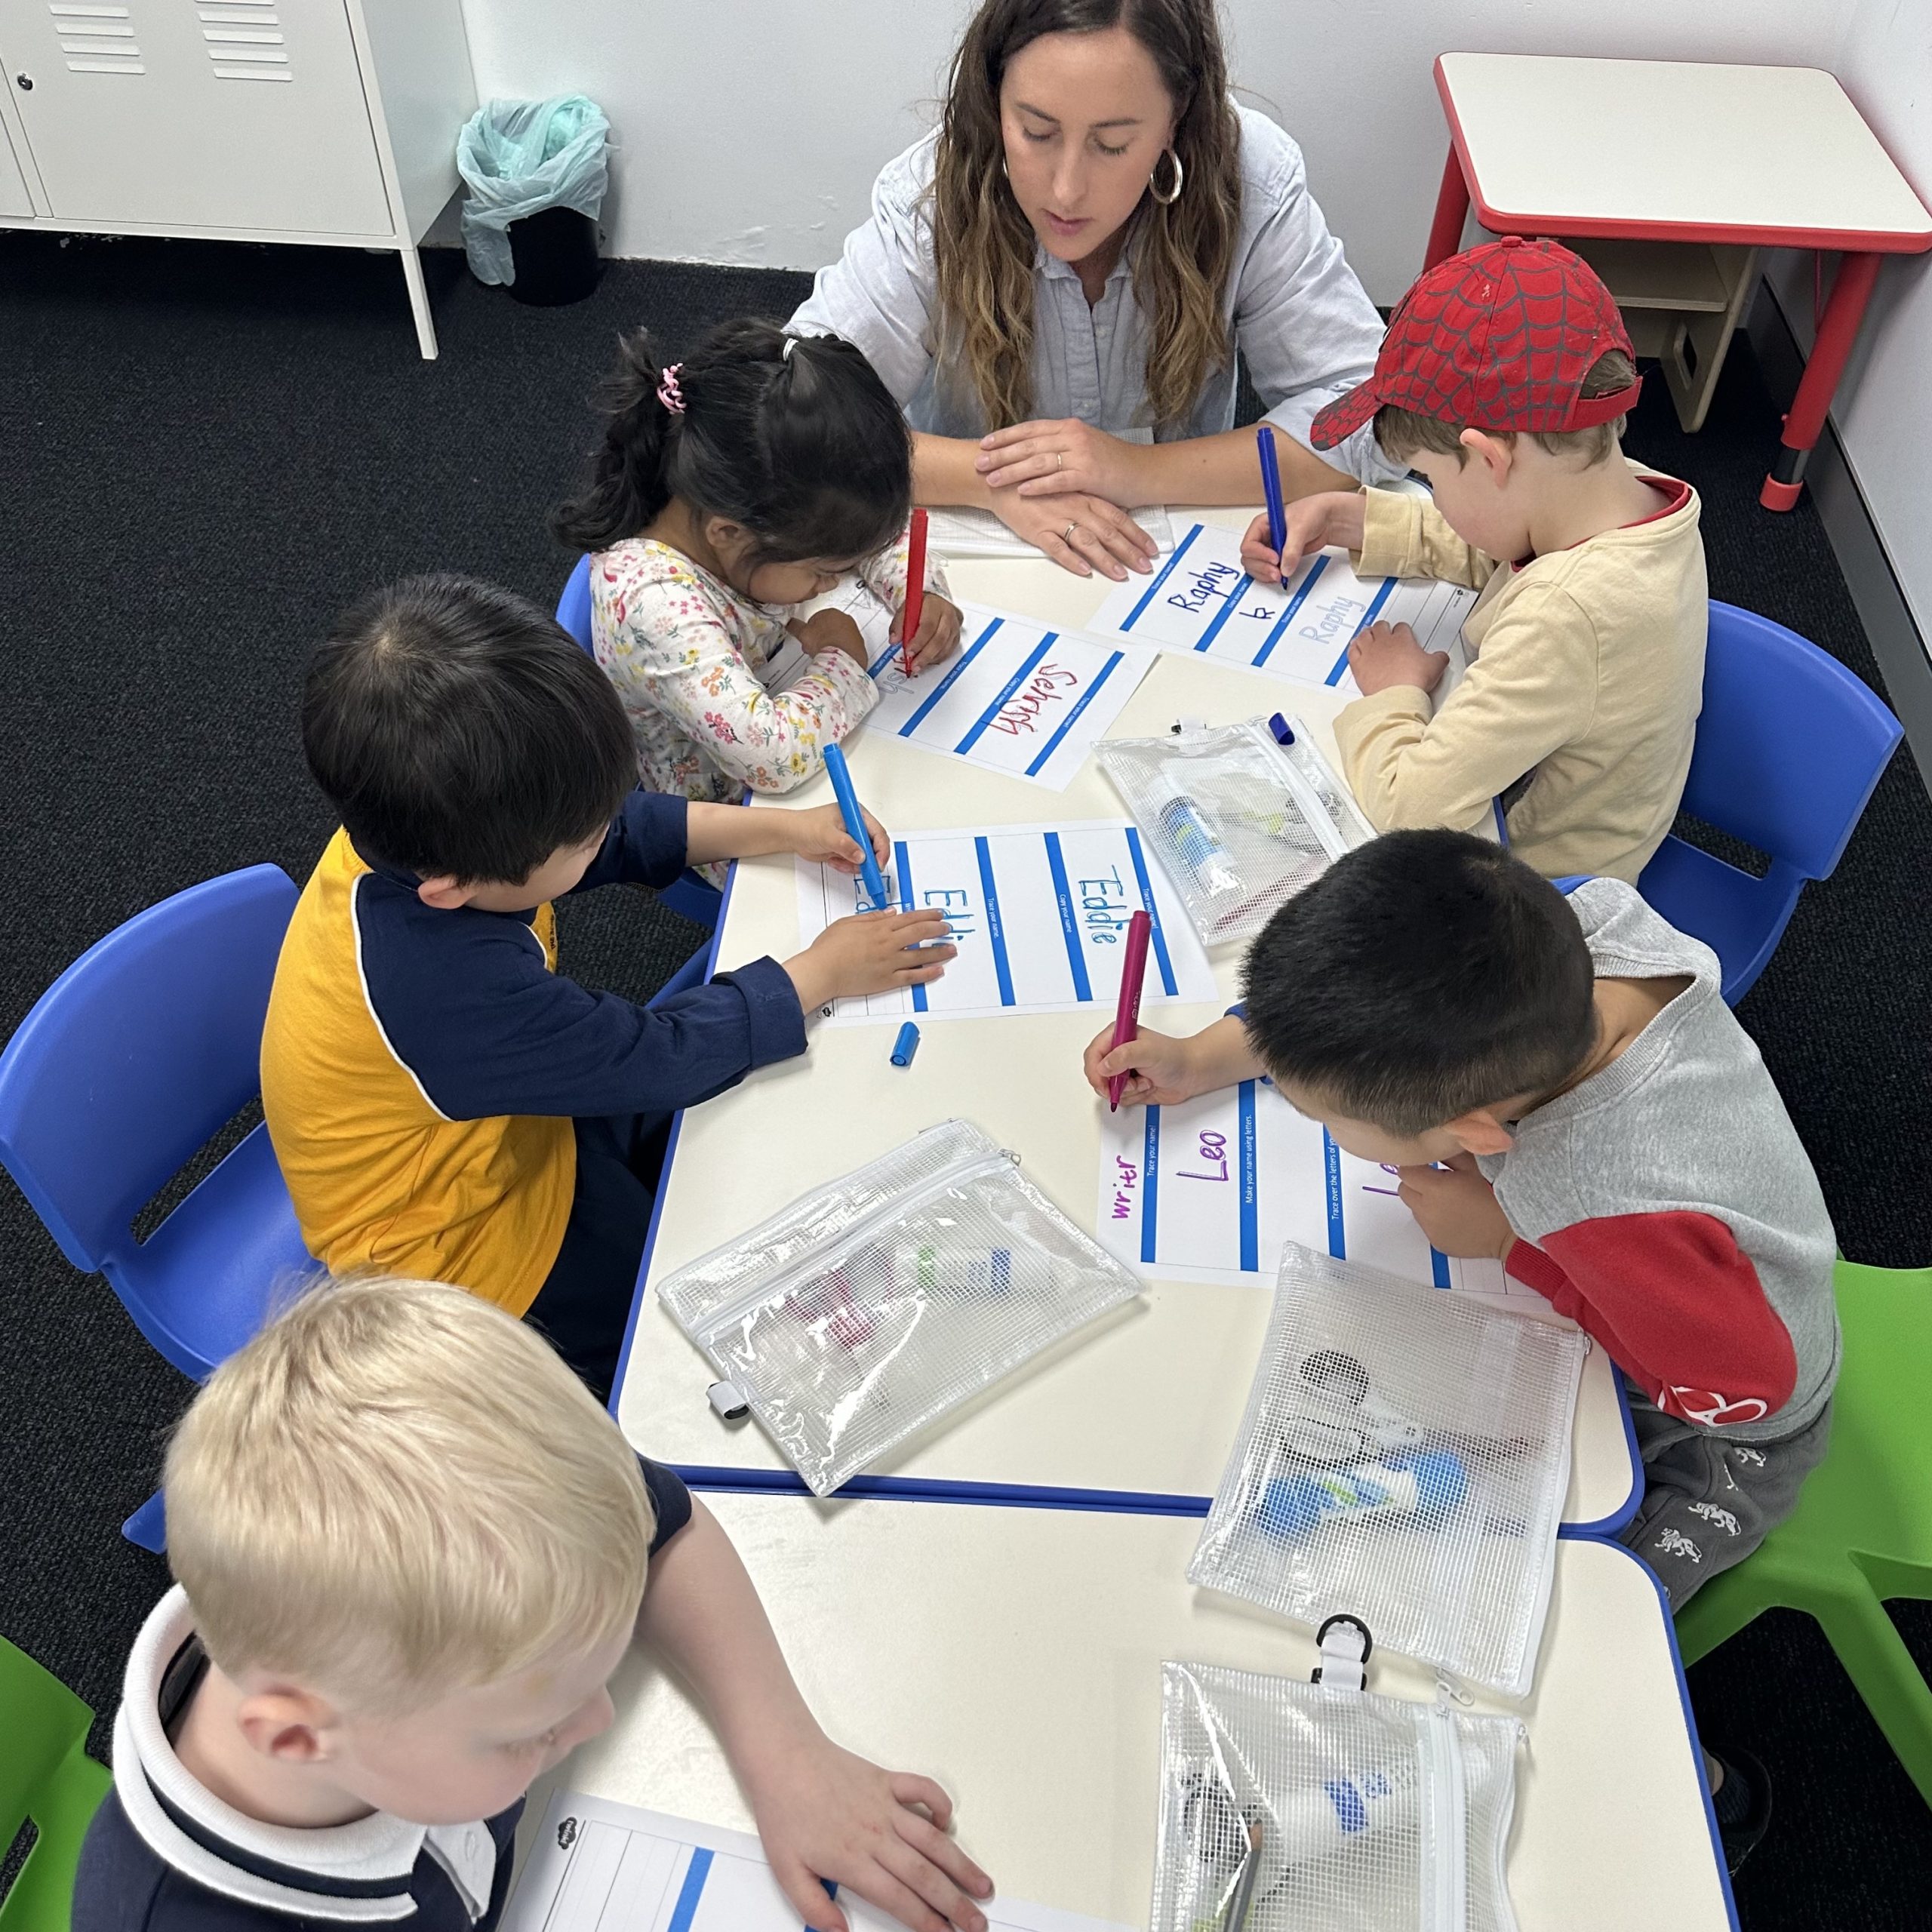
<point x="246" y="114"/>
<point x="257" y="118"/>
<point x="14" y="198"/>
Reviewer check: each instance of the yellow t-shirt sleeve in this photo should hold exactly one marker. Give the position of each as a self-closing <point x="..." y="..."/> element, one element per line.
<point x="1405" y="536"/>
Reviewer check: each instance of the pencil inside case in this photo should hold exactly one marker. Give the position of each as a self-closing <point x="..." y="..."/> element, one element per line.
<point x="856" y="1317"/>
<point x="1403" y="1459"/>
<point x="1239" y="821"/>
<point x="1286" y="1806"/>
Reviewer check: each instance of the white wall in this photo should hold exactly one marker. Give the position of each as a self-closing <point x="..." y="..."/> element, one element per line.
<point x="750" y="130"/>
<point x="1883" y="56"/>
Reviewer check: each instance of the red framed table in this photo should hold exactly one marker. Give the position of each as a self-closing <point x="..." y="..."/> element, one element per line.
<point x="1734" y="157"/>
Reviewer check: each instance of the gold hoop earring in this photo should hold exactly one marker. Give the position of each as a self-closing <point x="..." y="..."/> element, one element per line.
<point x="1168" y="200"/>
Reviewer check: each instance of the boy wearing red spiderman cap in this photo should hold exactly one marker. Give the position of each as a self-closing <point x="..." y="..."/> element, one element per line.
<point x="1503" y="380"/>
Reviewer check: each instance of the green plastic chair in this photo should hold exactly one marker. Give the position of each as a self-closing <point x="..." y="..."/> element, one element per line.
<point x="1862" y="1529"/>
<point x="46" y="1775"/>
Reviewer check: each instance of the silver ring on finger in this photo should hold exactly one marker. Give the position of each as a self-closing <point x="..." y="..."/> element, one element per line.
<point x="1070" y="529"/>
<point x="1060" y="459"/>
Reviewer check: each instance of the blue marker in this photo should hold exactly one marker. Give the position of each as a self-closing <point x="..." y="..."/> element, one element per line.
<point x="1270" y="488"/>
<point x="906" y="1045"/>
<point x="855" y="824"/>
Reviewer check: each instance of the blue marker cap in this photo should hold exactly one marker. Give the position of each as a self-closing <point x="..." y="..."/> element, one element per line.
<point x="1283" y="730"/>
<point x="906" y="1045"/>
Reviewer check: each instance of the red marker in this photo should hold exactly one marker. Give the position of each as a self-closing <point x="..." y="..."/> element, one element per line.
<point x="1126" y="1014"/>
<point x="915" y="588"/>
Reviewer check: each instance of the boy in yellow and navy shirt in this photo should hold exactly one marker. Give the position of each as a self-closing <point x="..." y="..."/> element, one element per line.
<point x="444" y="1103"/>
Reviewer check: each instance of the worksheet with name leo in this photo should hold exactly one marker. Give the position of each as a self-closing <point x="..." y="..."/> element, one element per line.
<point x="1210" y="1190"/>
<point x="1016" y="697"/>
<point x="598" y="1866"/>
<point x="1202" y="600"/>
<point x="1039" y="913"/>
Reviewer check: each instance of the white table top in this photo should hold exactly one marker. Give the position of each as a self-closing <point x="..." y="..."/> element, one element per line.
<point x="1148" y="1402"/>
<point x="1038" y="1706"/>
<point x="1673" y="149"/>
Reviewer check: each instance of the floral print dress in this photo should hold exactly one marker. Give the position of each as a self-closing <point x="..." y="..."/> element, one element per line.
<point x="689" y="657"/>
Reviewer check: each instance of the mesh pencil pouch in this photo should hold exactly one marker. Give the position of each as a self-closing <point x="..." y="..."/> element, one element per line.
<point x="1240" y="819"/>
<point x="875" y="1304"/>
<point x="1403" y="1460"/>
<point x="1286" y="1806"/>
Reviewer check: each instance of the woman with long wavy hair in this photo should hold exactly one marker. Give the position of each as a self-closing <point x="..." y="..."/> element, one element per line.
<point x="1057" y="282"/>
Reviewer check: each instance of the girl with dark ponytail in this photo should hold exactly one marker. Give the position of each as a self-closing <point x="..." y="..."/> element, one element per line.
<point x="728" y="489"/>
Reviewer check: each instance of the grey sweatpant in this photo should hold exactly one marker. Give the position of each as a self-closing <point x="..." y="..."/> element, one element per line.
<point x="1710" y="1502"/>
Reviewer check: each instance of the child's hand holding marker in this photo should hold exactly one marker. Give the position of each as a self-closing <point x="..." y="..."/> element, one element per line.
<point x="1163" y="1072"/>
<point x="936" y="630"/>
<point x="822" y="837"/>
<point x="1308" y="524"/>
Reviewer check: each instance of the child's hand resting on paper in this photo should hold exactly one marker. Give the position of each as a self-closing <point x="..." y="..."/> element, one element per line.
<point x="1162" y="1072"/>
<point x="1386" y="655"/>
<point x="831" y="630"/>
<point x="937" y="637"/>
<point x="869" y="953"/>
<point x="825" y="1814"/>
<point x="1308" y="524"/>
<point x="1456" y="1209"/>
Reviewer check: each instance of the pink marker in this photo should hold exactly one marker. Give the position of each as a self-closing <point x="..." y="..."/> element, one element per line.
<point x="1126" y="1014"/>
<point x="915" y="588"/>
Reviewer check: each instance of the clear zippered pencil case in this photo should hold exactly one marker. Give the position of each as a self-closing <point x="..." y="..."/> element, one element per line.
<point x="870" y="1307"/>
<point x="1286" y="1806"/>
<point x="1240" y="818"/>
<point x="1403" y="1459"/>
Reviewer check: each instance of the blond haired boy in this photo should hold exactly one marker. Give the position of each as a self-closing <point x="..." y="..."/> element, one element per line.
<point x="411" y="1549"/>
<point x="1503" y="378"/>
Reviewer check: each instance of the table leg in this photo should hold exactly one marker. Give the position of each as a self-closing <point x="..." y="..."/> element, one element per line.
<point x="1838" y="330"/>
<point x="1452" y="207"/>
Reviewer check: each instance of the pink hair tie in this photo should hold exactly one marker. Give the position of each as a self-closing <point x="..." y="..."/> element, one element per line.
<point x="669" y="393"/>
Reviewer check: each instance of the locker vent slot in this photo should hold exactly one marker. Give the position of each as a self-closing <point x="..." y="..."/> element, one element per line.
<point x="245" y="40"/>
<point x="96" y="40"/>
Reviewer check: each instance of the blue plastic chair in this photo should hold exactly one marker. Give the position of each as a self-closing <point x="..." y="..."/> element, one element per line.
<point x="1789" y="746"/>
<point x="690" y="895"/>
<point x="129" y="1064"/>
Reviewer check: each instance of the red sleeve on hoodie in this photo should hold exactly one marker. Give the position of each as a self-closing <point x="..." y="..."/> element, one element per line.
<point x="1678" y="1306"/>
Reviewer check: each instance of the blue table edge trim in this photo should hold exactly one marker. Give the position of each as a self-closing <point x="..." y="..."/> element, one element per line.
<point x="664" y="1173"/>
<point x="1690" y="1725"/>
<point x="929" y="1489"/>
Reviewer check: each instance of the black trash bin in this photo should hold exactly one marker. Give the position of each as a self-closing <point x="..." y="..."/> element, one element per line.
<point x="554" y="252"/>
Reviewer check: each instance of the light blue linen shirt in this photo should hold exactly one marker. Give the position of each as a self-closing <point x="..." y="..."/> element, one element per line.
<point x="1303" y="323"/>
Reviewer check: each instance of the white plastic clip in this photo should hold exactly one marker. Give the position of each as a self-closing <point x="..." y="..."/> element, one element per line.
<point x="1182" y="726"/>
<point x="724" y="1398"/>
<point x="1344" y="1644"/>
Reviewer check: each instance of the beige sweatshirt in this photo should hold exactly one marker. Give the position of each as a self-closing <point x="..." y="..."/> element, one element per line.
<point x="1586" y="676"/>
